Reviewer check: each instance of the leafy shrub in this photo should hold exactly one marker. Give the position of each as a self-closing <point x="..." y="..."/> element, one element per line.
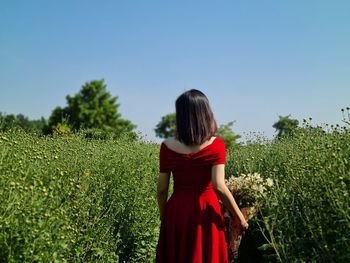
<point x="306" y="217"/>
<point x="72" y="199"/>
<point x="68" y="199"/>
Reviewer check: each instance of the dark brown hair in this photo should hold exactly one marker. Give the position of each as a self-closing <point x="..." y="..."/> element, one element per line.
<point x="195" y="121"/>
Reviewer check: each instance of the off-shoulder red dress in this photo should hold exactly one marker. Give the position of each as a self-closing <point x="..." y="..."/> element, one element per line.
<point x="192" y="227"/>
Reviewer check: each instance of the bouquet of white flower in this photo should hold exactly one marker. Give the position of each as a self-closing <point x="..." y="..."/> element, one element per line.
<point x="249" y="191"/>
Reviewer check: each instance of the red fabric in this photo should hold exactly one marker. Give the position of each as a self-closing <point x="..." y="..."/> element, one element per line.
<point x="192" y="227"/>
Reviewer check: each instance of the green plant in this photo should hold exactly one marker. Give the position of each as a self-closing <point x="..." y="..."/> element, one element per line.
<point x="69" y="199"/>
<point x="306" y="216"/>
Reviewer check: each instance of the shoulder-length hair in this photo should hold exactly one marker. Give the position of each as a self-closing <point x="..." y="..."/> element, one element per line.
<point x="195" y="121"/>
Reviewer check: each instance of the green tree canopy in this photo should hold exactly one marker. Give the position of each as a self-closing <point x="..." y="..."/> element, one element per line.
<point x="93" y="107"/>
<point x="226" y="134"/>
<point x="9" y="121"/>
<point x="167" y="125"/>
<point x="285" y="125"/>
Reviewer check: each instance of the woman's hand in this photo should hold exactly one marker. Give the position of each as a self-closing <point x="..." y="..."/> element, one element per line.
<point x="244" y="225"/>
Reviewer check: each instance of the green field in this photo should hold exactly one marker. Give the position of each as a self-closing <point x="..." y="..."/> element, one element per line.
<point x="69" y="199"/>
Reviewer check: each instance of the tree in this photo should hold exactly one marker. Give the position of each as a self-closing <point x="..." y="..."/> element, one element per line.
<point x="226" y="134"/>
<point x="166" y="128"/>
<point x="38" y="125"/>
<point x="10" y="121"/>
<point x="7" y="121"/>
<point x="93" y="107"/>
<point x="58" y="116"/>
<point x="285" y="125"/>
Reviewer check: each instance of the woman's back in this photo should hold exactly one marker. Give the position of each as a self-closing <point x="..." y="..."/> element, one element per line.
<point x="192" y="226"/>
<point x="191" y="166"/>
<point x="181" y="148"/>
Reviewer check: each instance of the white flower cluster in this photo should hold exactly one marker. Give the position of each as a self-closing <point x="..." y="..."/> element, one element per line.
<point x="249" y="189"/>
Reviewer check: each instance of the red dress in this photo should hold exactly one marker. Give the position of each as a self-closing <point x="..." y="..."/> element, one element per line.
<point x="192" y="228"/>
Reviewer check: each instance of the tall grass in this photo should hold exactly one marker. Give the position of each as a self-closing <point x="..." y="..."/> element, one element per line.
<point x="71" y="199"/>
<point x="306" y="217"/>
<point x="68" y="199"/>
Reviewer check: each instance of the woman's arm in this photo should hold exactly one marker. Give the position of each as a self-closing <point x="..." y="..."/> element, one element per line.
<point x="218" y="181"/>
<point x="162" y="191"/>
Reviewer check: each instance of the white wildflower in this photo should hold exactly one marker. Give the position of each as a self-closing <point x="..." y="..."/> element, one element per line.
<point x="269" y="182"/>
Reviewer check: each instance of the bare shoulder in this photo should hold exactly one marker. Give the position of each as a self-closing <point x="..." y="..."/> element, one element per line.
<point x="169" y="141"/>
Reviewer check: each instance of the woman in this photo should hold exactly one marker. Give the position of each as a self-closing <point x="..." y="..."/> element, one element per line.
<point x="192" y="227"/>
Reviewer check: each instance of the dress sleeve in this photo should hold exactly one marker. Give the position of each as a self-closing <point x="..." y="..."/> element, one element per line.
<point x="220" y="153"/>
<point x="163" y="159"/>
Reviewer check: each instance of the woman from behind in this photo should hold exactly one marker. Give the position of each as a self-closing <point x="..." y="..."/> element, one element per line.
<point x="192" y="224"/>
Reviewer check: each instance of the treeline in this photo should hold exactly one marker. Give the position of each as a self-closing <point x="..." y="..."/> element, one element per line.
<point x="11" y="121"/>
<point x="93" y="109"/>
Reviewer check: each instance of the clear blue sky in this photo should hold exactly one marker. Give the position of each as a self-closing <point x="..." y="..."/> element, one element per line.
<point x="254" y="60"/>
